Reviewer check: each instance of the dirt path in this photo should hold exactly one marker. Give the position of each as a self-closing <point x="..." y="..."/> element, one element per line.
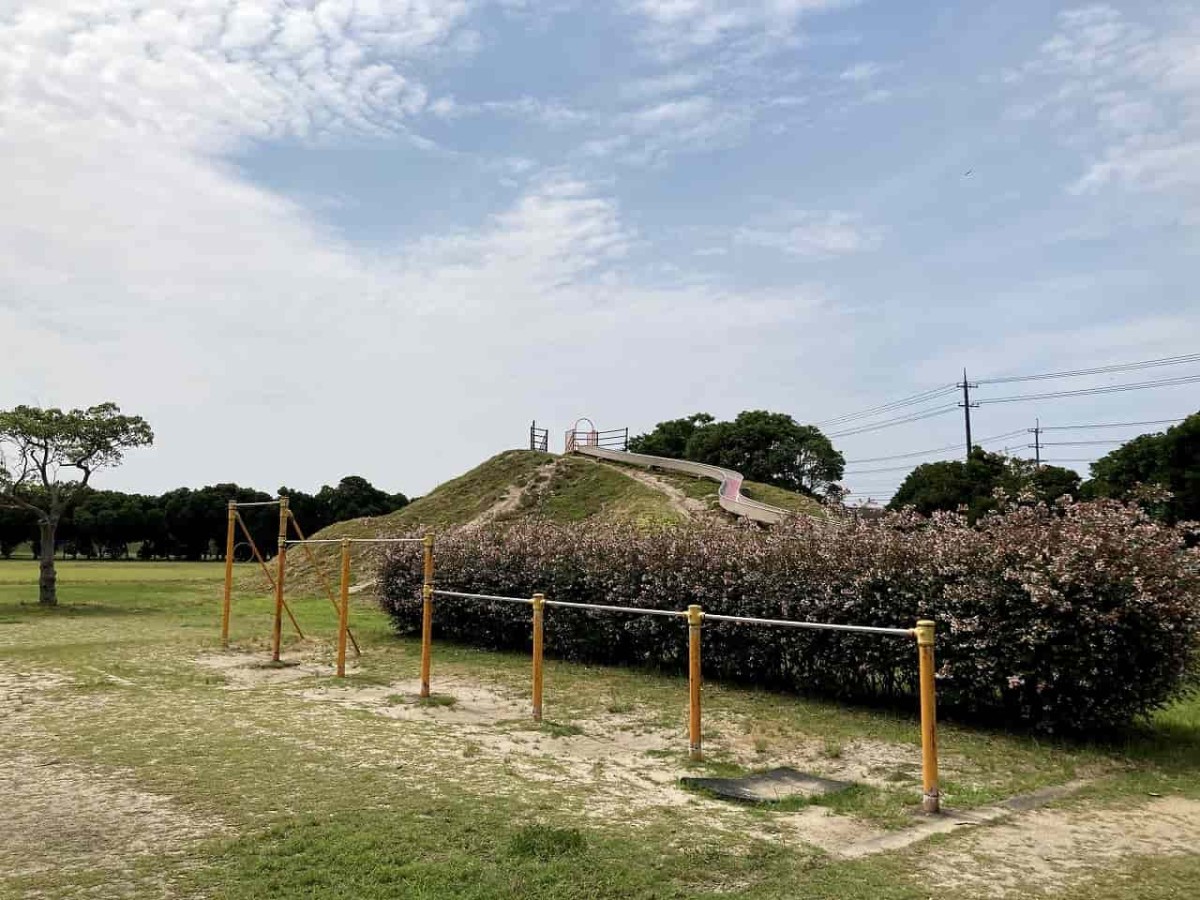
<point x="688" y="507"/>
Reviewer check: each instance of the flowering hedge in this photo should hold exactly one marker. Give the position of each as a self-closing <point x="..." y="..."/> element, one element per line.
<point x="1070" y="619"/>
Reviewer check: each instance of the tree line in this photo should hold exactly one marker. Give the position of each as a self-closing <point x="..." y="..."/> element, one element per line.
<point x="186" y="523"/>
<point x="1161" y="470"/>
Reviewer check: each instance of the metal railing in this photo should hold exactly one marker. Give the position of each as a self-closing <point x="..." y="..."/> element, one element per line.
<point x="539" y="438"/>
<point x="612" y="439"/>
<point x="923" y="632"/>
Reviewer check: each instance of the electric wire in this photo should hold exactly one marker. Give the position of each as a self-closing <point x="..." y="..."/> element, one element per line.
<point x="1109" y="425"/>
<point x="1110" y="389"/>
<point x="922" y="397"/>
<point x="891" y="423"/>
<point x="1098" y="370"/>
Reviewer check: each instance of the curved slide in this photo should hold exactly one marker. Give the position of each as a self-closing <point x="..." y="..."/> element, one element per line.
<point x="729" y="494"/>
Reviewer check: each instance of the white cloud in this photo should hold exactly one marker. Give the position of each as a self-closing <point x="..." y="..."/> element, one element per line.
<point x="814" y="235"/>
<point x="675" y="28"/>
<point x="861" y="72"/>
<point x="136" y="264"/>
<point x="1128" y="92"/>
<point x="208" y="73"/>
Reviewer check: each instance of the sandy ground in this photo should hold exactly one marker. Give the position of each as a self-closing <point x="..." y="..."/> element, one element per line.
<point x="59" y="815"/>
<point x="1046" y="850"/>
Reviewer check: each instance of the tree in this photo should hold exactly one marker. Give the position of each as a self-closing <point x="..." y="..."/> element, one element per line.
<point x="355" y="497"/>
<point x="952" y="484"/>
<point x="670" y="438"/>
<point x="1170" y="460"/>
<point x="16" y="527"/>
<point x="47" y="459"/>
<point x="770" y="447"/>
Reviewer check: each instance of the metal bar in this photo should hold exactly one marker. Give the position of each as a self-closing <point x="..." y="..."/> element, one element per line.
<point x="427" y="616"/>
<point x="358" y="540"/>
<point x="623" y="609"/>
<point x="255" y="503"/>
<point x="816" y="626"/>
<point x="695" y="621"/>
<point x="930" y="796"/>
<point x="539" y="602"/>
<point x="227" y="599"/>
<point x="254" y="549"/>
<point x="343" y="611"/>
<point x="482" y="597"/>
<point x="266" y="571"/>
<point x="281" y="559"/>
<point x="320" y="570"/>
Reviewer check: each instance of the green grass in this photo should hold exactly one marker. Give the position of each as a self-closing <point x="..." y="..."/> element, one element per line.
<point x="318" y="799"/>
<point x="784" y="499"/>
<point x="581" y="489"/>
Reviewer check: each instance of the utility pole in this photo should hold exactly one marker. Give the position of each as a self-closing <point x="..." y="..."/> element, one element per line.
<point x="966" y="408"/>
<point x="1036" y="431"/>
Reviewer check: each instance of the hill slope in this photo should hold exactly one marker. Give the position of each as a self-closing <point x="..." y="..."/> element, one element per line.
<point x="525" y="483"/>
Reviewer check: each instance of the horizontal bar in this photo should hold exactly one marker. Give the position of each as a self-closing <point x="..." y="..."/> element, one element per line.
<point x="359" y="541"/>
<point x="817" y="626"/>
<point x="624" y="609"/>
<point x="482" y="597"/>
<point x="239" y="505"/>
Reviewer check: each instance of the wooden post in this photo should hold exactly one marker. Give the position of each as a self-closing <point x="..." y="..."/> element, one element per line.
<point x="344" y="610"/>
<point x="427" y="616"/>
<point x="281" y="562"/>
<point x="539" y="604"/>
<point x="226" y="603"/>
<point x="930" y="797"/>
<point x="695" y="618"/>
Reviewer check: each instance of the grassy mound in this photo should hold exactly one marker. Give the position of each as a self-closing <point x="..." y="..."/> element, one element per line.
<point x="515" y="484"/>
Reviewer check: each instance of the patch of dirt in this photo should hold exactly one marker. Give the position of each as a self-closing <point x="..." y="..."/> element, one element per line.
<point x="1047" y="850"/>
<point x="59" y="816"/>
<point x="246" y="671"/>
<point x="875" y="763"/>
<point x="19" y="688"/>
<point x="615" y="764"/>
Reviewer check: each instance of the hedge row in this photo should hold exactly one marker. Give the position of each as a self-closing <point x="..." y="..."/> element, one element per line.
<point x="1076" y="618"/>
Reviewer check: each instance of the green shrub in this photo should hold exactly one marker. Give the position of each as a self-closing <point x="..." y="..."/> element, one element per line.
<point x="1074" y="618"/>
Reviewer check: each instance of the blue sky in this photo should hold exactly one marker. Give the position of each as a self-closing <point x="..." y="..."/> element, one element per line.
<point x="307" y="239"/>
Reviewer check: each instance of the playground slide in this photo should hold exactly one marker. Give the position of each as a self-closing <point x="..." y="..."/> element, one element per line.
<point x="729" y="494"/>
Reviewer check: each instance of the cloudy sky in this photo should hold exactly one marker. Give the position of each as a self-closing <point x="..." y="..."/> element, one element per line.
<point x="307" y="238"/>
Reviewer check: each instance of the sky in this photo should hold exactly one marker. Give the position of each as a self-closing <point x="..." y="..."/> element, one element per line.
<point x="314" y="238"/>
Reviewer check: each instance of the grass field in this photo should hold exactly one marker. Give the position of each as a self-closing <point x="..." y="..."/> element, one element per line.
<point x="139" y="760"/>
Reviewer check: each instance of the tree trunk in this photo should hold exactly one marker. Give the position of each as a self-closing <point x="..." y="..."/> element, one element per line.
<point x="48" y="579"/>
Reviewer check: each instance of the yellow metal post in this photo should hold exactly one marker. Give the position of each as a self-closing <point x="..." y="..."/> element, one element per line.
<point x="427" y="616"/>
<point x="930" y="799"/>
<point x="281" y="562"/>
<point x="539" y="605"/>
<point x="344" y="610"/>
<point x="695" y="618"/>
<point x="226" y="602"/>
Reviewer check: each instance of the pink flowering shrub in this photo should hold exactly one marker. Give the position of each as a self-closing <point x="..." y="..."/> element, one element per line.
<point x="1077" y="618"/>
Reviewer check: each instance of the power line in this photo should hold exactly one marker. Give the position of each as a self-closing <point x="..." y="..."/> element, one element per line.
<point x="1109" y="425"/>
<point x="952" y="447"/>
<point x="1099" y="370"/>
<point x="1077" y="443"/>
<point x="1110" y="389"/>
<point x="922" y="397"/>
<point x="938" y="411"/>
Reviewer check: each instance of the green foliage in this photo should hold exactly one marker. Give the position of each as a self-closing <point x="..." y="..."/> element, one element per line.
<point x="764" y="446"/>
<point x="1169" y="460"/>
<point x="47" y="458"/>
<point x="670" y="438"/>
<point x="1076" y="618"/>
<point x="971" y="485"/>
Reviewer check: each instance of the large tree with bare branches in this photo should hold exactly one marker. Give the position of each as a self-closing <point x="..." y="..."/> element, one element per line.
<point x="47" y="459"/>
